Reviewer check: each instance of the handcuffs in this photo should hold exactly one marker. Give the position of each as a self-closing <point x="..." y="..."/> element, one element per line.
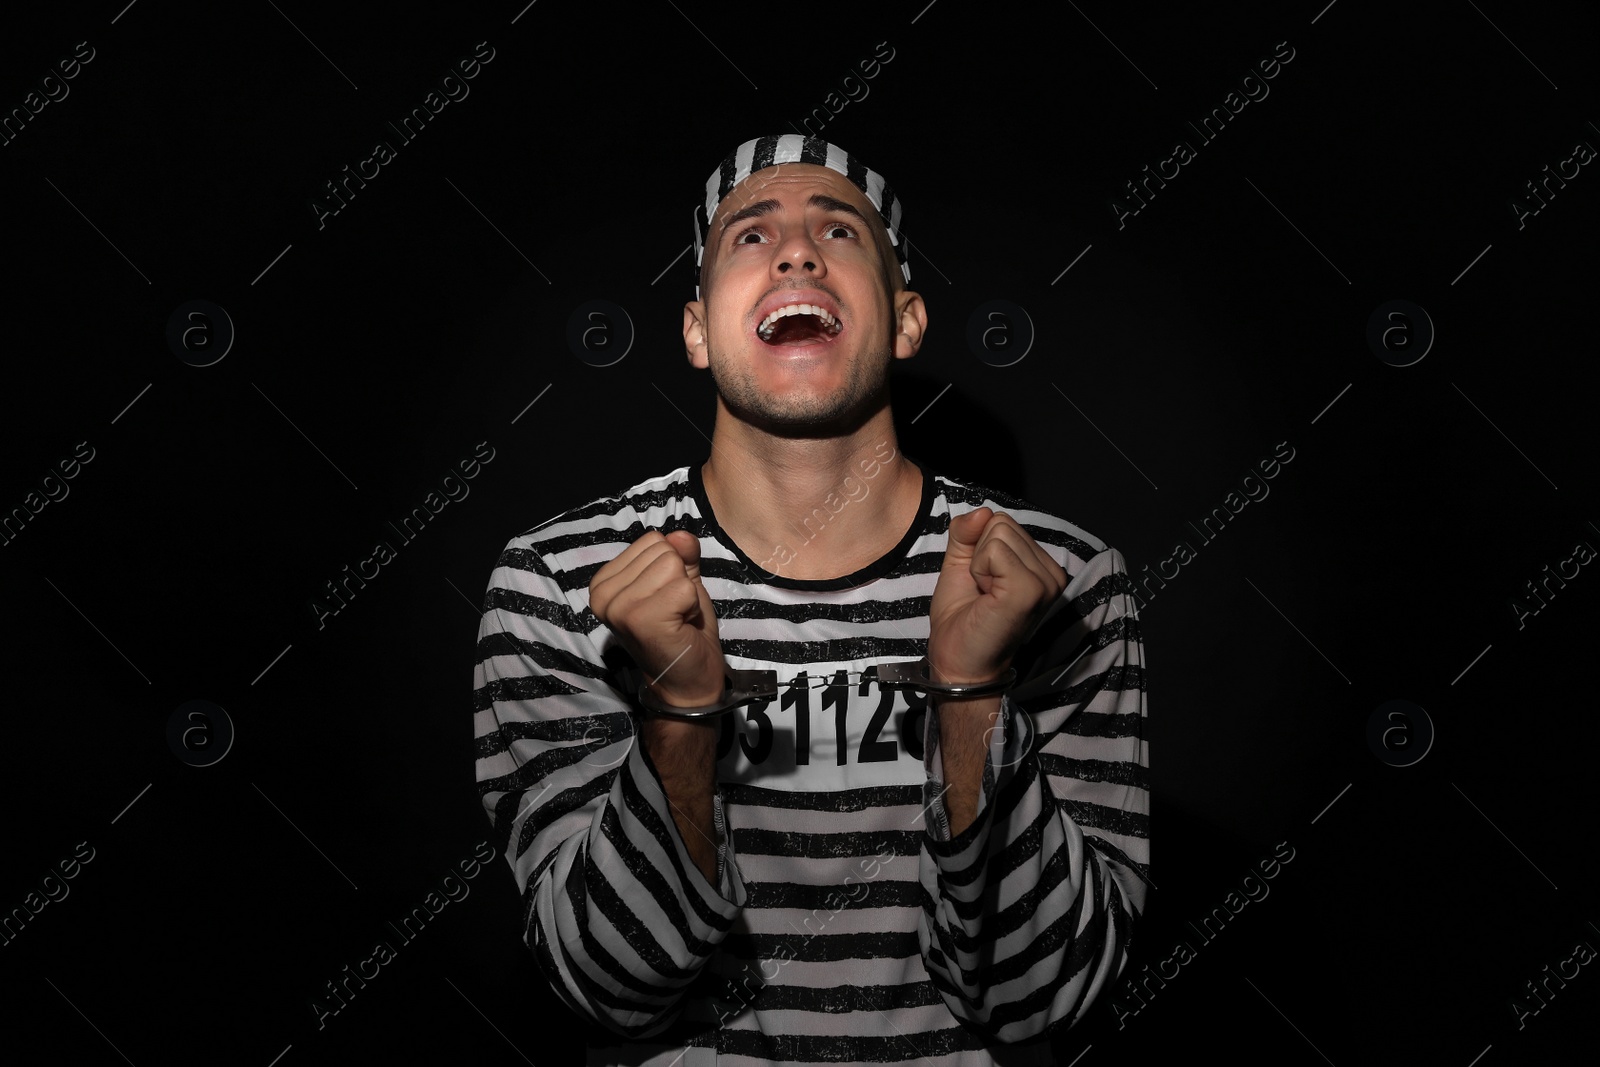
<point x="743" y="687"/>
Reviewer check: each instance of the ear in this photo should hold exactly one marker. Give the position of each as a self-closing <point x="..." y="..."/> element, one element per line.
<point x="694" y="333"/>
<point x="911" y="323"/>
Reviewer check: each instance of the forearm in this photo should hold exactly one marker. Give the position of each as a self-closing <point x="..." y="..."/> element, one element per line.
<point x="620" y="918"/>
<point x="966" y="729"/>
<point x="1030" y="921"/>
<point x="684" y="754"/>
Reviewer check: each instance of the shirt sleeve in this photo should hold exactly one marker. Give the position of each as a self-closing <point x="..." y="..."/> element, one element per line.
<point x="1029" y="911"/>
<point x="618" y="916"/>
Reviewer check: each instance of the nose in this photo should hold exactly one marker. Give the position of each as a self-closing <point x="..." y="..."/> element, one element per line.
<point x="797" y="252"/>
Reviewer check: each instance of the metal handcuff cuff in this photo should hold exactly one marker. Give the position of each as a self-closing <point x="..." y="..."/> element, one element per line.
<point x="746" y="686"/>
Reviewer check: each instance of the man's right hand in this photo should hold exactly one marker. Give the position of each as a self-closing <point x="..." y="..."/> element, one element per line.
<point x="652" y="598"/>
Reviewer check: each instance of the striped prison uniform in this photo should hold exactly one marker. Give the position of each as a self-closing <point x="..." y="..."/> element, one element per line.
<point x="845" y="924"/>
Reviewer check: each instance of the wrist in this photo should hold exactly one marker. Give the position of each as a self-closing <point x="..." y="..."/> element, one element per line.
<point x="694" y="693"/>
<point x="951" y="671"/>
<point x="739" y="687"/>
<point x="922" y="675"/>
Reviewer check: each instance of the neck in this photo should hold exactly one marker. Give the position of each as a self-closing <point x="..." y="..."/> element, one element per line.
<point x="811" y="508"/>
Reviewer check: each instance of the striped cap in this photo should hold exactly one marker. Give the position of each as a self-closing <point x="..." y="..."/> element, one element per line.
<point x="766" y="152"/>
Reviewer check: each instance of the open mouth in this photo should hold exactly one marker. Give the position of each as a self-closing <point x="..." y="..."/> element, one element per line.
<point x="799" y="324"/>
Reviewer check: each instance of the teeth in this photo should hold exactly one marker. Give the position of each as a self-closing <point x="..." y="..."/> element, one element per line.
<point x="765" y="329"/>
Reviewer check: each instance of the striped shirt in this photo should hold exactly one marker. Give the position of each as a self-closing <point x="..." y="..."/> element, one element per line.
<point x="846" y="924"/>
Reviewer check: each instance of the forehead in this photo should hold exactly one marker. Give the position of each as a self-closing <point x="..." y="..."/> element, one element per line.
<point x="791" y="184"/>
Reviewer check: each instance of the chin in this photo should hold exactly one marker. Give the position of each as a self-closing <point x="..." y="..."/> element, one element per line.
<point x="809" y="392"/>
<point x="804" y="416"/>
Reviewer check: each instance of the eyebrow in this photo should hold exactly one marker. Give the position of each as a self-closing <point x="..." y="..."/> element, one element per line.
<point x="768" y="206"/>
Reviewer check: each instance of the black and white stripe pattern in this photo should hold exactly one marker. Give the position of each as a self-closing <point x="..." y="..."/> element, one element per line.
<point x="764" y="152"/>
<point x="846" y="926"/>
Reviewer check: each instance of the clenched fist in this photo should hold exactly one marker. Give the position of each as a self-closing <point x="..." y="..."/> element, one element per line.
<point x="652" y="598"/>
<point x="995" y="585"/>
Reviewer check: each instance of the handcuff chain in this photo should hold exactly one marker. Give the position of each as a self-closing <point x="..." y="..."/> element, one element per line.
<point x="746" y="686"/>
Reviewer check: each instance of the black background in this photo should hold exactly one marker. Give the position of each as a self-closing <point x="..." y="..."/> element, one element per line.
<point x="373" y="352"/>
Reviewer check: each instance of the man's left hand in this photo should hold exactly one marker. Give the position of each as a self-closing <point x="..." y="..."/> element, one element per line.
<point x="994" y="587"/>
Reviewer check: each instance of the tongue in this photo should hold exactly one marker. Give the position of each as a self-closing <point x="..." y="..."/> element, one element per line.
<point x="798" y="330"/>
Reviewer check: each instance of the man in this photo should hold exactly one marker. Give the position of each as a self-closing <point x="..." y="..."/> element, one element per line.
<point x="841" y="868"/>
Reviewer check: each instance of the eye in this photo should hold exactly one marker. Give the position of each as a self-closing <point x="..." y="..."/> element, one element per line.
<point x="751" y="236"/>
<point x="837" y="230"/>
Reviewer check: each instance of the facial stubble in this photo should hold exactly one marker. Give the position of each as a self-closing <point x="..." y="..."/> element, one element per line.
<point x="801" y="411"/>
